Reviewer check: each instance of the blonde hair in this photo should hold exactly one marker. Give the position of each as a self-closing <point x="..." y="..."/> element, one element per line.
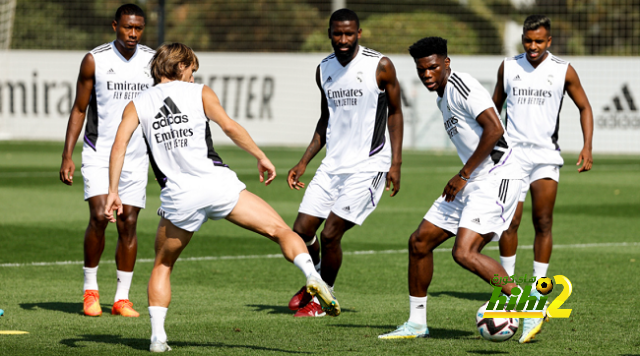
<point x="166" y="62"/>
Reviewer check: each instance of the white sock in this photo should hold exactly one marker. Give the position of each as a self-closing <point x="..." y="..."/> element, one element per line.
<point x="305" y="263"/>
<point x="418" y="310"/>
<point x="318" y="266"/>
<point x="90" y="278"/>
<point x="123" y="285"/>
<point x="157" y="316"/>
<point x="509" y="264"/>
<point x="539" y="270"/>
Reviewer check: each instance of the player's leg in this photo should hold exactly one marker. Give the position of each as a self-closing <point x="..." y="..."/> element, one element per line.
<point x="509" y="241"/>
<point x="306" y="226"/>
<point x="543" y="200"/>
<point x="467" y="253"/>
<point x="126" y="251"/>
<point x="170" y="241"/>
<point x="253" y="213"/>
<point x="331" y="247"/>
<point x="93" y="248"/>
<point x="421" y="245"/>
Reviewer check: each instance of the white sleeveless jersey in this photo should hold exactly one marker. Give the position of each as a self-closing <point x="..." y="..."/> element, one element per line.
<point x="534" y="99"/>
<point x="117" y="82"/>
<point x="181" y="152"/>
<point x="357" y="138"/>
<point x="463" y="101"/>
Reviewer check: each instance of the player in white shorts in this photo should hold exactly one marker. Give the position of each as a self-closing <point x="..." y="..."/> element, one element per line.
<point x="110" y="76"/>
<point x="478" y="203"/>
<point x="196" y="184"/>
<point x="533" y="85"/>
<point x="360" y="98"/>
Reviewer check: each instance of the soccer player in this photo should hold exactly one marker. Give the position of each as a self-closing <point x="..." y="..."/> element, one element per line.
<point x="196" y="184"/>
<point x="110" y="76"/>
<point x="533" y="84"/>
<point x="477" y="204"/>
<point x="360" y="97"/>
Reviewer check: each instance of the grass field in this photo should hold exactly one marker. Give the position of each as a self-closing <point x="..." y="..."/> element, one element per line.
<point x="230" y="295"/>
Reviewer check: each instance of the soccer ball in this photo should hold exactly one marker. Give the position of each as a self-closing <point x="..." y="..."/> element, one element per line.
<point x="496" y="329"/>
<point x="544" y="285"/>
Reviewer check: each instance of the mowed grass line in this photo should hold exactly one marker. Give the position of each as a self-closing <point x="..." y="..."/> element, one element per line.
<point x="238" y="307"/>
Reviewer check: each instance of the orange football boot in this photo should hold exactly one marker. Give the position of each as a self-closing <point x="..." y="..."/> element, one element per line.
<point x="125" y="308"/>
<point x="92" y="303"/>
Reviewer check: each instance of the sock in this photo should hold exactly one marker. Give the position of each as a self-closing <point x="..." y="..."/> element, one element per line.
<point x="418" y="310"/>
<point x="305" y="263"/>
<point x="157" y="316"/>
<point x="318" y="266"/>
<point x="123" y="285"/>
<point x="539" y="270"/>
<point x="509" y="264"/>
<point x="90" y="278"/>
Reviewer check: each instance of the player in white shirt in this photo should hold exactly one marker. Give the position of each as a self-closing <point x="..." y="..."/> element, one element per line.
<point x="533" y="85"/>
<point x="478" y="203"/>
<point x="110" y="76"/>
<point x="360" y="98"/>
<point x="196" y="185"/>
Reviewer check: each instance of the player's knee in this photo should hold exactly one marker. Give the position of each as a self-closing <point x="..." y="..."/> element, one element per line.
<point x="98" y="221"/>
<point x="418" y="244"/>
<point x="330" y="237"/>
<point x="304" y="231"/>
<point x="461" y="256"/>
<point x="542" y="224"/>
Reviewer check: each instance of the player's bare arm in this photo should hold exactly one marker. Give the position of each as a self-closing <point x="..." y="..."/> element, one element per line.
<point x="215" y="112"/>
<point x="499" y="96"/>
<point x="317" y="142"/>
<point x="388" y="81"/>
<point x="579" y="97"/>
<point x="86" y="79"/>
<point x="491" y="132"/>
<point x="126" y="128"/>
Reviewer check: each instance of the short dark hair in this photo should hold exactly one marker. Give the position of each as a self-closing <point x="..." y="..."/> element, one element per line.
<point x="344" y="15"/>
<point x="429" y="46"/>
<point x="534" y="21"/>
<point x="129" y="9"/>
<point x="166" y="62"/>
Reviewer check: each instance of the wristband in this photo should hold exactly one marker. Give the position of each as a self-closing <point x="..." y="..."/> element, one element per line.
<point x="462" y="177"/>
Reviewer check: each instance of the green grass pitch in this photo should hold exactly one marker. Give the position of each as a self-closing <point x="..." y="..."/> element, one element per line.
<point x="238" y="306"/>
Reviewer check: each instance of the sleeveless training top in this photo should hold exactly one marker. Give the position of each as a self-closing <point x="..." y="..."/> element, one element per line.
<point x="463" y="101"/>
<point x="117" y="82"/>
<point x="357" y="130"/>
<point x="181" y="152"/>
<point x="534" y="99"/>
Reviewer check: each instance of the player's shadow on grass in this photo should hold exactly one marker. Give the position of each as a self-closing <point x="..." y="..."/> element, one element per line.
<point x="436" y="333"/>
<point x="143" y="344"/>
<point x="71" y="308"/>
<point x="277" y="309"/>
<point x="483" y="297"/>
<point x="487" y="352"/>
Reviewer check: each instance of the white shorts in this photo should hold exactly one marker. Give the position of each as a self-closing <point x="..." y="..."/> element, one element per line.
<point x="485" y="206"/>
<point x="351" y="196"/>
<point x="537" y="163"/>
<point x="223" y="201"/>
<point x="132" y="187"/>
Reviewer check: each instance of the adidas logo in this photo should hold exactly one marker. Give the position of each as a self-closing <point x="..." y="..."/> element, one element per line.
<point x="421" y="306"/>
<point x="347" y="208"/>
<point x="517" y="78"/>
<point x="169" y="114"/>
<point x="329" y="79"/>
<point x="621" y="113"/>
<point x="119" y="280"/>
<point x="476" y="220"/>
<point x="111" y="71"/>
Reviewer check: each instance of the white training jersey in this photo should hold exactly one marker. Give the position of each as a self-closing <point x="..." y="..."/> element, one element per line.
<point x="534" y="99"/>
<point x="463" y="101"/>
<point x="181" y="151"/>
<point x="117" y="82"/>
<point x="357" y="130"/>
